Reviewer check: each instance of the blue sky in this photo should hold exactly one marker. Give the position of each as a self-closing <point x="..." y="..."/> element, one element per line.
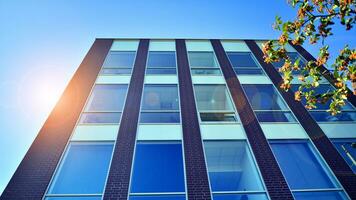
<point x="43" y="42"/>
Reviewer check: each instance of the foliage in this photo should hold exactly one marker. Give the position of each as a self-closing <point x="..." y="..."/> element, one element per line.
<point x="314" y="23"/>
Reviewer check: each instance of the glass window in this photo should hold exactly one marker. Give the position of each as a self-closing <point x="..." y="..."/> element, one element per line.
<point x="293" y="56"/>
<point x="160" y="97"/>
<point x="239" y="197"/>
<point x="244" y="64"/>
<point x="213" y="97"/>
<point x="75" y="198"/>
<point x="166" y="59"/>
<point x="116" y="71"/>
<point x="83" y="170"/>
<point x="300" y="165"/>
<point x="100" y="117"/>
<point x="202" y="59"/>
<point x="120" y="59"/>
<point x="158" y="197"/>
<point x="158" y="167"/>
<point x="242" y="60"/>
<point x="274" y="116"/>
<point x="159" y="117"/>
<point x="205" y="71"/>
<point x="214" y="103"/>
<point x="329" y="195"/>
<point x="324" y="116"/>
<point x="231" y="167"/>
<point x="107" y="98"/>
<point x="347" y="149"/>
<point x="263" y="97"/>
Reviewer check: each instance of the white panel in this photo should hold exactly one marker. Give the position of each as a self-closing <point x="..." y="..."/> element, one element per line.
<point x="161" y="79"/>
<point x="222" y="131"/>
<point x="162" y="45"/>
<point x="233" y="45"/>
<point x="159" y="132"/>
<point x="342" y="130"/>
<point x="199" y="45"/>
<point x="254" y="79"/>
<point x="95" y="132"/>
<point x="113" y="79"/>
<point x="283" y="131"/>
<point x="206" y="79"/>
<point x="124" y="45"/>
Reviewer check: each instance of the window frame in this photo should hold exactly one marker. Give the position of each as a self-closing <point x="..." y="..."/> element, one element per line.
<point x="246" y="68"/>
<point x="118" y="68"/>
<point x="193" y="68"/>
<point x="158" y="68"/>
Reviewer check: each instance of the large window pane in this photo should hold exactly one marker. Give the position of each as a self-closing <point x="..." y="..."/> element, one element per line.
<point x="158" y="59"/>
<point x="116" y="71"/>
<point x="332" y="195"/>
<point x="74" y="198"/>
<point x="264" y="97"/>
<point x="242" y="60"/>
<point x="240" y="197"/>
<point x="324" y="116"/>
<point x="158" y="197"/>
<point x="202" y="59"/>
<point x="347" y="149"/>
<point x="216" y="117"/>
<point x="213" y="97"/>
<point x="100" y="117"/>
<point x="83" y="169"/>
<point x="231" y="167"/>
<point x="107" y="98"/>
<point x="117" y="59"/>
<point x="158" y="167"/>
<point x="300" y="165"/>
<point x="159" y="117"/>
<point x="274" y="116"/>
<point x="160" y="97"/>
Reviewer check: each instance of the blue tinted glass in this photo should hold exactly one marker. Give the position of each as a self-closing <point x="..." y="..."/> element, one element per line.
<point x="322" y="88"/>
<point x="160" y="197"/>
<point x="83" y="170"/>
<point x="73" y="198"/>
<point x="213" y="97"/>
<point x="347" y="149"/>
<point x="100" y="118"/>
<point x="216" y="117"/>
<point x="206" y="71"/>
<point x="324" y="116"/>
<point x="319" y="195"/>
<point x="161" y="71"/>
<point x="107" y="98"/>
<point x="116" y="59"/>
<point x="248" y="71"/>
<point x="158" y="167"/>
<point x="300" y="166"/>
<point x="293" y="56"/>
<point x="161" y="59"/>
<point x="202" y="59"/>
<point x="241" y="59"/>
<point x="240" y="197"/>
<point x="274" y="116"/>
<point x="160" y="97"/>
<point x="264" y="97"/>
<point x="159" y="117"/>
<point x="231" y="167"/>
<point x="116" y="71"/>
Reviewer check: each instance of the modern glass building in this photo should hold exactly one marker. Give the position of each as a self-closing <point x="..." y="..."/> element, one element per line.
<point x="175" y="119"/>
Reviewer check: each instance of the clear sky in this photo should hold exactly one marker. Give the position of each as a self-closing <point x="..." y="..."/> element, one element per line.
<point x="43" y="42"/>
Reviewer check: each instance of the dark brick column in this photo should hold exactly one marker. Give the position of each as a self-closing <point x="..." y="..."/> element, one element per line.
<point x="196" y="173"/>
<point x="337" y="164"/>
<point x="277" y="186"/>
<point x="117" y="186"/>
<point x="326" y="73"/>
<point x="34" y="173"/>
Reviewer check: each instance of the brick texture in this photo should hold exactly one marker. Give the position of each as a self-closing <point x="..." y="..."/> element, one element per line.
<point x="37" y="167"/>
<point x="337" y="164"/>
<point x="196" y="173"/>
<point x="117" y="186"/>
<point x="277" y="186"/>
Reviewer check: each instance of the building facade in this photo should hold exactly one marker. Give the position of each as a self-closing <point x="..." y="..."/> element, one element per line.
<point x="161" y="119"/>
